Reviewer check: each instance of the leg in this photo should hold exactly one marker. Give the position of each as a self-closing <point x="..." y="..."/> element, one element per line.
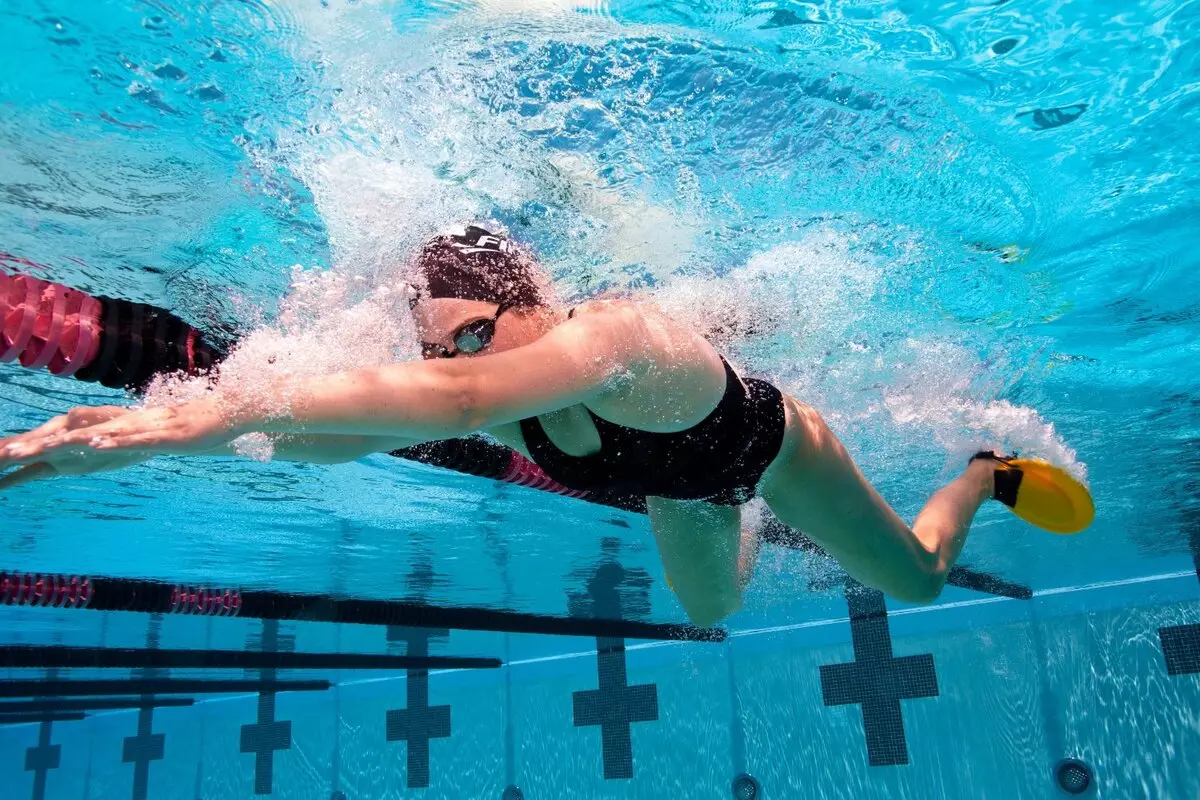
<point x="814" y="486"/>
<point x="706" y="555"/>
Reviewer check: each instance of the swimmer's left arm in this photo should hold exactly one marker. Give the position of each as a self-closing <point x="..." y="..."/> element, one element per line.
<point x="576" y="361"/>
<point x="320" y="448"/>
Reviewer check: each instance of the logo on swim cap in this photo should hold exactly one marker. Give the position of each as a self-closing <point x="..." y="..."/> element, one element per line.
<point x="473" y="239"/>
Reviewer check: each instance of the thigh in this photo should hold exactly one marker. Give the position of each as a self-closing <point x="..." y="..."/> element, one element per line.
<point x="815" y="487"/>
<point x="699" y="544"/>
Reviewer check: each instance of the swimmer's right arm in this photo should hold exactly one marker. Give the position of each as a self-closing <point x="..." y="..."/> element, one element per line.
<point x="327" y="448"/>
<point x="313" y="449"/>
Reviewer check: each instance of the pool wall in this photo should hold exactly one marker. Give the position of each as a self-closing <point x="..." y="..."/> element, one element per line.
<point x="973" y="698"/>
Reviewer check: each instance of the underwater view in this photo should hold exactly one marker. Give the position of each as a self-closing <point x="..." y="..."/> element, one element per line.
<point x="530" y="399"/>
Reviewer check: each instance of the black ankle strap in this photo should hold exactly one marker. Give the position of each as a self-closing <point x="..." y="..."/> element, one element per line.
<point x="1006" y="481"/>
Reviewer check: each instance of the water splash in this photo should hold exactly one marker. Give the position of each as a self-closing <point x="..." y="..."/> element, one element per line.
<point x="809" y="314"/>
<point x="799" y="298"/>
<point x="330" y="322"/>
<point x="933" y="398"/>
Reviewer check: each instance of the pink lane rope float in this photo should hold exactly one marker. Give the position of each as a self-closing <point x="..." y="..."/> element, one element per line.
<point x="47" y="591"/>
<point x="47" y="325"/>
<point x="114" y="342"/>
<point x="524" y="472"/>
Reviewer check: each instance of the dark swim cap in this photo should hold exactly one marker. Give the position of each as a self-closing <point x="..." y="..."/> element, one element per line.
<point x="475" y="264"/>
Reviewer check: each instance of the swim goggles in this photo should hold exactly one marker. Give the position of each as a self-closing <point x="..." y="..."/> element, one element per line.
<point x="470" y="338"/>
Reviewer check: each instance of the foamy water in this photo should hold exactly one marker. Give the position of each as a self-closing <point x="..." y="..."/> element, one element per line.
<point x="330" y="322"/>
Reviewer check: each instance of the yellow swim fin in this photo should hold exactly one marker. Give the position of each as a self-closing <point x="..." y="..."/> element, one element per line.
<point x="1041" y="493"/>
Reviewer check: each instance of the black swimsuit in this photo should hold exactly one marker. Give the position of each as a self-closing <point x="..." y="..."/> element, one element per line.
<point x="720" y="460"/>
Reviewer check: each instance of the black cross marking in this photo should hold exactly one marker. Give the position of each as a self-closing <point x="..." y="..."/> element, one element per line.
<point x="1181" y="643"/>
<point x="613" y="592"/>
<point x="418" y="722"/>
<point x="263" y="738"/>
<point x="266" y="735"/>
<point x="146" y="746"/>
<point x="876" y="679"/>
<point x="416" y="725"/>
<point x="140" y="750"/>
<point x="39" y="759"/>
<point x="614" y="707"/>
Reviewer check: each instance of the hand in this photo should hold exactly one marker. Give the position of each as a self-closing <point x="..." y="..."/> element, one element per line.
<point x="87" y="440"/>
<point x="76" y="418"/>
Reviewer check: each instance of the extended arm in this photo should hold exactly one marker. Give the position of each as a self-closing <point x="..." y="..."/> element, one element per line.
<point x="576" y="361"/>
<point x="444" y="398"/>
<point x="315" y="449"/>
<point x="327" y="448"/>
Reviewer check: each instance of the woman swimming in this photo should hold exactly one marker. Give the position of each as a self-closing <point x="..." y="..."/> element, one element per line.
<point x="609" y="395"/>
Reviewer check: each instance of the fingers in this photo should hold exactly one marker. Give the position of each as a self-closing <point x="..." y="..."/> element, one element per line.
<point x="74" y="447"/>
<point x="32" y="452"/>
<point x="48" y="428"/>
<point x="148" y="440"/>
<point x="77" y="430"/>
<point x="23" y="447"/>
<point x="63" y="444"/>
<point x="27" y="474"/>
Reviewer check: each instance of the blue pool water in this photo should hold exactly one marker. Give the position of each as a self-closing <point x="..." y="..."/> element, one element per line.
<point x="950" y="226"/>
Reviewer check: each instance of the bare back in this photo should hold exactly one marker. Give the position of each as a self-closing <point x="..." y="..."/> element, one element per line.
<point x="682" y="379"/>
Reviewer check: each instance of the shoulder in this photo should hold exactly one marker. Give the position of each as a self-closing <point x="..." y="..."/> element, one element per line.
<point x="629" y="330"/>
<point x="623" y="313"/>
<point x="639" y="336"/>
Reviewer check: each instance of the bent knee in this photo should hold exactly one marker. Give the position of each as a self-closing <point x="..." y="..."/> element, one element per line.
<point x="705" y="612"/>
<point x="920" y="588"/>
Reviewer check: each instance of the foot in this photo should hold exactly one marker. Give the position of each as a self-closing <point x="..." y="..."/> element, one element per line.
<point x="982" y="467"/>
<point x="1038" y="492"/>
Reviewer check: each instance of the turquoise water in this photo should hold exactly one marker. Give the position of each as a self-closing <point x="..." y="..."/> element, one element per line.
<point x="950" y="226"/>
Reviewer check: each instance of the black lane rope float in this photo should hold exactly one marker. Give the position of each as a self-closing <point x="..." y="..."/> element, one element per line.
<point x="91" y="688"/>
<point x="133" y="594"/>
<point x="65" y="657"/>
<point x="92" y="704"/>
<point x="22" y="719"/>
<point x="482" y="458"/>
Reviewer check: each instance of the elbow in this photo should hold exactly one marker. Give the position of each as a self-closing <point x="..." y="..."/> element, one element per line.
<point x="466" y="405"/>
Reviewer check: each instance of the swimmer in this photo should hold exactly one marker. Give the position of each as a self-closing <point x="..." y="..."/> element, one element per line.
<point x="610" y="395"/>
